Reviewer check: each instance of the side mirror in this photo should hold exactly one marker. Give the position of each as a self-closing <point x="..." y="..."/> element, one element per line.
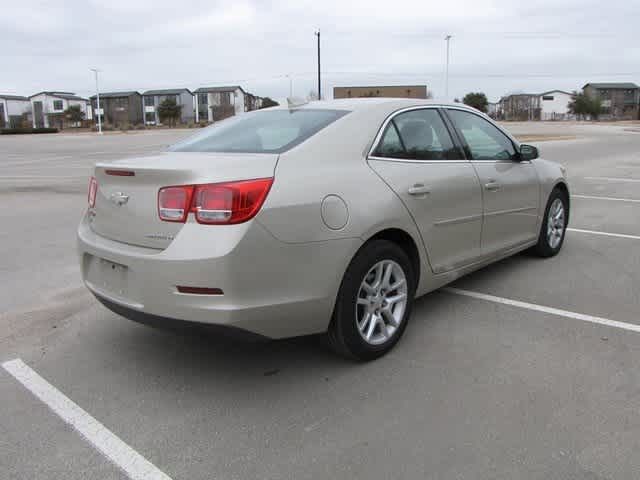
<point x="528" y="152"/>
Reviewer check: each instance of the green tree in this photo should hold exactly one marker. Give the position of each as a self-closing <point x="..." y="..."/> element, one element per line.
<point x="268" y="102"/>
<point x="476" y="100"/>
<point x="582" y="105"/>
<point x="74" y="114"/>
<point x="169" y="110"/>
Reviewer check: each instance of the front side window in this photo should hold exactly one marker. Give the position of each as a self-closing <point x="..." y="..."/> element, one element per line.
<point x="148" y="101"/>
<point x="417" y="135"/>
<point x="57" y="105"/>
<point x="274" y="131"/>
<point x="484" y="140"/>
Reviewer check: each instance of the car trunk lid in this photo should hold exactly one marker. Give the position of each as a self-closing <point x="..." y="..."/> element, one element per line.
<point x="126" y="205"/>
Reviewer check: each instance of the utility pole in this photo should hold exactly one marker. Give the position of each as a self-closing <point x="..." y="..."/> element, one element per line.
<point x="95" y="70"/>
<point x="319" y="83"/>
<point x="446" y="72"/>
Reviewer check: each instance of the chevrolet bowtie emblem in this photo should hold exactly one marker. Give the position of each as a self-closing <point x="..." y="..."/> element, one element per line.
<point x="119" y="198"/>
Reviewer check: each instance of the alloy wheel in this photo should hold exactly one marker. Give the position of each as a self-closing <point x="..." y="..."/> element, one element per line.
<point x="381" y="302"/>
<point x="555" y="223"/>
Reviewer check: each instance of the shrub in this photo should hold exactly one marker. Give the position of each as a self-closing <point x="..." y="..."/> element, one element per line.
<point x="23" y="130"/>
<point x="476" y="100"/>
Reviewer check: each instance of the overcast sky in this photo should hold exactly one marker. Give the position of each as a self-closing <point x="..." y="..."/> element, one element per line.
<point x="497" y="46"/>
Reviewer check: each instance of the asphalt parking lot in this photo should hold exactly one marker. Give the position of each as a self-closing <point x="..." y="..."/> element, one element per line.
<point x="480" y="387"/>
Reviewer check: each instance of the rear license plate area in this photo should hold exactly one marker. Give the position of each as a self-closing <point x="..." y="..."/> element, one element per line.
<point x="109" y="276"/>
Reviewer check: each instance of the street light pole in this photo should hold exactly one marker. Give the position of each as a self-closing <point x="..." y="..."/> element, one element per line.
<point x="290" y="77"/>
<point x="95" y="70"/>
<point x="446" y="73"/>
<point x="319" y="83"/>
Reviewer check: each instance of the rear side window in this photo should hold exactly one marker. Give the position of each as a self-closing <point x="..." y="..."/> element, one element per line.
<point x="417" y="135"/>
<point x="484" y="141"/>
<point x="272" y="131"/>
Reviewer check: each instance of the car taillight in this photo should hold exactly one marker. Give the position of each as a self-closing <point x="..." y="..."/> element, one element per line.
<point x="93" y="189"/>
<point x="174" y="203"/>
<point x="216" y="203"/>
<point x="231" y="202"/>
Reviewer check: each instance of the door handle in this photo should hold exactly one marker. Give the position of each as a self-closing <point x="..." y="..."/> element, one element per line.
<point x="419" y="189"/>
<point x="492" y="186"/>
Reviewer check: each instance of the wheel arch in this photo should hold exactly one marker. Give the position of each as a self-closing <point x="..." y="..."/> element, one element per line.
<point x="406" y="242"/>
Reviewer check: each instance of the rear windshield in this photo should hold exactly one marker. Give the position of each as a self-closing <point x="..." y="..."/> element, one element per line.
<point x="270" y="131"/>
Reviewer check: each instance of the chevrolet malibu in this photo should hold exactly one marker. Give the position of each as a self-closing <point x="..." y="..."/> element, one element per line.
<point x="325" y="217"/>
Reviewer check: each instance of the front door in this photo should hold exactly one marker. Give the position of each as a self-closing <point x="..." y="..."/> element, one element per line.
<point x="418" y="159"/>
<point x="510" y="187"/>
<point x="38" y="114"/>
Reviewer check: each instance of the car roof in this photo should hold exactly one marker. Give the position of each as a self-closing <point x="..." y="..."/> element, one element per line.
<point x="360" y="104"/>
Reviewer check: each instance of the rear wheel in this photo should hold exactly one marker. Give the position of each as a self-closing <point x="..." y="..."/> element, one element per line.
<point x="374" y="302"/>
<point x="554" y="225"/>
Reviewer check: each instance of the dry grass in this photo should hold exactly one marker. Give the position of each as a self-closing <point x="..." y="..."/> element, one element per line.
<point x="542" y="137"/>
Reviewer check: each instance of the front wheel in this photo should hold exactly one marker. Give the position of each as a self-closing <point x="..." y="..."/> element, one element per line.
<point x="554" y="225"/>
<point x="374" y="302"/>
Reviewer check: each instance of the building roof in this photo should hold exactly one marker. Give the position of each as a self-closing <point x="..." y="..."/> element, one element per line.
<point x="613" y="85"/>
<point x="554" y="91"/>
<point x="116" y="94"/>
<point x="168" y="91"/>
<point x="219" y="89"/>
<point x="14" y="97"/>
<point x="383" y="86"/>
<point x="65" y="95"/>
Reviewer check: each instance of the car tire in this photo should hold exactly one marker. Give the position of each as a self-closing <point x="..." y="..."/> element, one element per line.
<point x="554" y="225"/>
<point x="370" y="313"/>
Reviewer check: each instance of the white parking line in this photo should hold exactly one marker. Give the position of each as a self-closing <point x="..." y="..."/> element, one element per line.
<point x="31" y="162"/>
<point x="611" y="199"/>
<point x="541" y="308"/>
<point x="613" y="179"/>
<point x="39" y="177"/>
<point x="606" y="234"/>
<point x="131" y="462"/>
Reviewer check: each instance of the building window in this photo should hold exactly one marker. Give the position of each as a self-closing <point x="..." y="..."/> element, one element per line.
<point x="57" y="105"/>
<point x="150" y="117"/>
<point x="203" y="99"/>
<point x="121" y="103"/>
<point x="547" y="97"/>
<point x="149" y="101"/>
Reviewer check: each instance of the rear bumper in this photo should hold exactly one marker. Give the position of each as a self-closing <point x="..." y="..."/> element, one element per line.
<point x="271" y="288"/>
<point x="179" y="325"/>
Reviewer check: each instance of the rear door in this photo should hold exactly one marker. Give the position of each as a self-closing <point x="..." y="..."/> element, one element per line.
<point x="416" y="156"/>
<point x="510" y="186"/>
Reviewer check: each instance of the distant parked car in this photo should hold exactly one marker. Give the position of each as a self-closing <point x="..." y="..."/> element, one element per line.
<point x="323" y="217"/>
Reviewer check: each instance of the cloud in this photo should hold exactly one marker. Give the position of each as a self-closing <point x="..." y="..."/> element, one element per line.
<point x="497" y="45"/>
